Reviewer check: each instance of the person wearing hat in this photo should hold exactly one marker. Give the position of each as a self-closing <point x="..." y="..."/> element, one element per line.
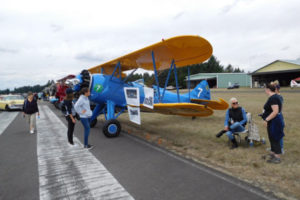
<point x="70" y="114"/>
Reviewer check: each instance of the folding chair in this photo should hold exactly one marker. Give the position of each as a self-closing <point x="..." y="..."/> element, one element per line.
<point x="237" y="135"/>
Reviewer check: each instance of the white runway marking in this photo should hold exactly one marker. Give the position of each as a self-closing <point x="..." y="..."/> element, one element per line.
<point x="70" y="172"/>
<point x="5" y="119"/>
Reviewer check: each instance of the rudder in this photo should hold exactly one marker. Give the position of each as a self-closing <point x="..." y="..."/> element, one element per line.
<point x="201" y="91"/>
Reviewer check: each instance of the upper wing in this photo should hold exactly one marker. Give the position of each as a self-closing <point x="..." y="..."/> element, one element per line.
<point x="185" y="50"/>
<point x="183" y="109"/>
<point x="216" y="105"/>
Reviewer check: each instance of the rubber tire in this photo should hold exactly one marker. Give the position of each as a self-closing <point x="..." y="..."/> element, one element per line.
<point x="6" y="108"/>
<point x="93" y="123"/>
<point x="106" y="126"/>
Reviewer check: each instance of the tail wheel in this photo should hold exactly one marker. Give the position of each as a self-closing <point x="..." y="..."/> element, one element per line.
<point x="111" y="128"/>
<point x="93" y="123"/>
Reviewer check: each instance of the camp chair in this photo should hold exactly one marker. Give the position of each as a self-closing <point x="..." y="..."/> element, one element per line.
<point x="237" y="135"/>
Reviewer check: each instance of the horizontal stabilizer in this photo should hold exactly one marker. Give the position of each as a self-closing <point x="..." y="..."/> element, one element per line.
<point x="216" y="105"/>
<point x="183" y="109"/>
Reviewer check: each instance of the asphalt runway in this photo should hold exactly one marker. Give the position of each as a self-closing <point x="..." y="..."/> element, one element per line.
<point x="43" y="166"/>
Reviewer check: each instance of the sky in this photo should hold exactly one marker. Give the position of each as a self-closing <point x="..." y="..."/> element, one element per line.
<point x="46" y="40"/>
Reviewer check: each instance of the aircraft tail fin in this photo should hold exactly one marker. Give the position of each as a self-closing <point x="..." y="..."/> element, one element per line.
<point x="201" y="91"/>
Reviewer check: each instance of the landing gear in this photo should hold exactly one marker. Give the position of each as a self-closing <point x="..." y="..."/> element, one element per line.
<point x="93" y="123"/>
<point x="111" y="128"/>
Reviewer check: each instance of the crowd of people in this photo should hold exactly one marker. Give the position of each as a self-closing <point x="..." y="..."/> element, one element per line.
<point x="235" y="118"/>
<point x="80" y="110"/>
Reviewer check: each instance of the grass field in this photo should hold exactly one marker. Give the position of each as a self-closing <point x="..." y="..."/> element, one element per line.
<point x="196" y="139"/>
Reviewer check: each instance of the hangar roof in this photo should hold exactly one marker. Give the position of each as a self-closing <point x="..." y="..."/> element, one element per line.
<point x="279" y="66"/>
<point x="202" y="76"/>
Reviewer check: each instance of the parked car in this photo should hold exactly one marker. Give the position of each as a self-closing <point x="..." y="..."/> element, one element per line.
<point x="11" y="102"/>
<point x="235" y="85"/>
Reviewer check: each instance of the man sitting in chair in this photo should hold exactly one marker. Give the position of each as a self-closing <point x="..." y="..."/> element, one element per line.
<point x="235" y="121"/>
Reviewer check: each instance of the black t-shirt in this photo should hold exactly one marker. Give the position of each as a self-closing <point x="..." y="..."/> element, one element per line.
<point x="68" y="105"/>
<point x="273" y="100"/>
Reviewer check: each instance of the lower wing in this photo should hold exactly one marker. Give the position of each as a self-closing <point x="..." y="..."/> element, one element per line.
<point x="183" y="109"/>
<point x="216" y="105"/>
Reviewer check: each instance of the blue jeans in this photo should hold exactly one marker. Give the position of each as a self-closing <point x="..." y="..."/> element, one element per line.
<point x="281" y="143"/>
<point x="236" y="127"/>
<point x="86" y="124"/>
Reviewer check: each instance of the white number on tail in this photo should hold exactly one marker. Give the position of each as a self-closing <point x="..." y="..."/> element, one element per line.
<point x="200" y="91"/>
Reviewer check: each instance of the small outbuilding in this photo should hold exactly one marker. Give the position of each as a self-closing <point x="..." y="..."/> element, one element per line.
<point x="221" y="80"/>
<point x="282" y="70"/>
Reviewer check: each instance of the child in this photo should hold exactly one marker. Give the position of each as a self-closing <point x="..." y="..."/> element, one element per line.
<point x="70" y="114"/>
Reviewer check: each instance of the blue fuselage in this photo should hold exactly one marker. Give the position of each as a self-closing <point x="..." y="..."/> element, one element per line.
<point x="106" y="87"/>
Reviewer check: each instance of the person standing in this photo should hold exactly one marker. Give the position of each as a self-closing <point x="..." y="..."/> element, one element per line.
<point x="273" y="121"/>
<point x="277" y="91"/>
<point x="70" y="114"/>
<point x="30" y="110"/>
<point x="82" y="107"/>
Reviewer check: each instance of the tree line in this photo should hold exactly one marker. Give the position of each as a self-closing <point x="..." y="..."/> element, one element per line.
<point x="25" y="89"/>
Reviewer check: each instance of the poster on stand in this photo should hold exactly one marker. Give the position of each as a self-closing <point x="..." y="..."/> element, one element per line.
<point x="149" y="97"/>
<point x="132" y="96"/>
<point x="134" y="114"/>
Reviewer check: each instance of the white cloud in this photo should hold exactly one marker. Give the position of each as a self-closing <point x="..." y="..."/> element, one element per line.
<point x="41" y="40"/>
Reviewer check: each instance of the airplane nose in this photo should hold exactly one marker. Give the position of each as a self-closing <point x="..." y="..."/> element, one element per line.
<point x="84" y="79"/>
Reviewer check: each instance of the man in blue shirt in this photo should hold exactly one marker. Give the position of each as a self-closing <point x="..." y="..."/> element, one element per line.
<point x="235" y="121"/>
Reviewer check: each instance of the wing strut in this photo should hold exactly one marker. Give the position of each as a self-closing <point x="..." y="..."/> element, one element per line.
<point x="189" y="83"/>
<point x="118" y="66"/>
<point x="176" y="80"/>
<point x="167" y="80"/>
<point x="131" y="73"/>
<point x="156" y="76"/>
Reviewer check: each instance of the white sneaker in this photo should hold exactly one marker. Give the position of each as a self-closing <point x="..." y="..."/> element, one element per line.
<point x="70" y="145"/>
<point x="73" y="145"/>
<point x="31" y="131"/>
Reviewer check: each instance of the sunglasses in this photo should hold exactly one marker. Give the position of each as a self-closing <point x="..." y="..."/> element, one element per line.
<point x="235" y="103"/>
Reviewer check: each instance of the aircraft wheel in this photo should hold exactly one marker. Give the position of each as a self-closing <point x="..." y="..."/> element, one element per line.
<point x="111" y="128"/>
<point x="93" y="123"/>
